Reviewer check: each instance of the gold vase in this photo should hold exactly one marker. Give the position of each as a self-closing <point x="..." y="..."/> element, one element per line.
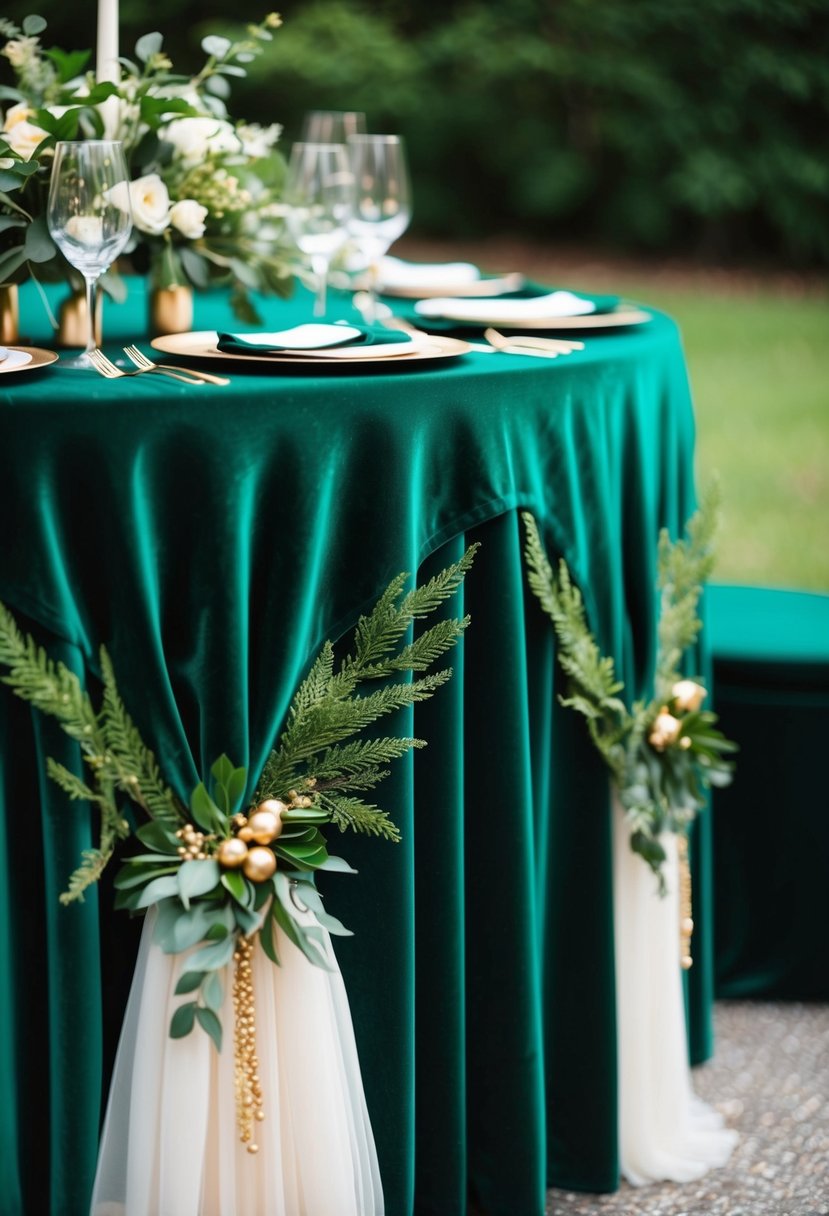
<point x="72" y="325"/>
<point x="9" y="314"/>
<point x="171" y="310"/>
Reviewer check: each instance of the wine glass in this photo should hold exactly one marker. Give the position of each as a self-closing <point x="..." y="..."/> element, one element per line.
<point x="89" y="214"/>
<point x="318" y="196"/>
<point x="381" y="207"/>
<point x="332" y="126"/>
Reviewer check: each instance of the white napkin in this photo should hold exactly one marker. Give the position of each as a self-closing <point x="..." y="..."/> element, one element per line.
<point x="556" y="304"/>
<point x="395" y="273"/>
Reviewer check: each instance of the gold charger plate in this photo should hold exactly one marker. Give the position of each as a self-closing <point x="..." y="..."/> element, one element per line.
<point x="620" y="318"/>
<point x="40" y="358"/>
<point x="497" y="286"/>
<point x="201" y="344"/>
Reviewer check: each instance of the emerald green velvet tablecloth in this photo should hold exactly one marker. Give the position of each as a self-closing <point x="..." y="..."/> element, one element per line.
<point x="212" y="538"/>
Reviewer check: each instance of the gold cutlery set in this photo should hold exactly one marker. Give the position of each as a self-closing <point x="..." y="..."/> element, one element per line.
<point x="142" y="365"/>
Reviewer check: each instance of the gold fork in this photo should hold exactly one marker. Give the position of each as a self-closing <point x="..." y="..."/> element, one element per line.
<point x="106" y="368"/>
<point x="532" y="343"/>
<point x="146" y="365"/>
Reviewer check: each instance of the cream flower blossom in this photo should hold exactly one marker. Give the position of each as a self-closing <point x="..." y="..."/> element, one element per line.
<point x="256" y="140"/>
<point x="149" y="201"/>
<point x="21" y="51"/>
<point x="188" y="216"/>
<point x="22" y="136"/>
<point x="665" y="730"/>
<point x="688" y="695"/>
<point x="194" y="139"/>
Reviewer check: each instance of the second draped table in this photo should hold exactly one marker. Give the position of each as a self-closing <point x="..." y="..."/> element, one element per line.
<point x="212" y="538"/>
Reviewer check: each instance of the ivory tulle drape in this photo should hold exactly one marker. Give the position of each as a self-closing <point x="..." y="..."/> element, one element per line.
<point x="170" y="1145"/>
<point x="665" y="1131"/>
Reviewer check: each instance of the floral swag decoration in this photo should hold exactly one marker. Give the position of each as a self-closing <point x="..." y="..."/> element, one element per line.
<point x="204" y="189"/>
<point x="666" y="752"/>
<point x="221" y="870"/>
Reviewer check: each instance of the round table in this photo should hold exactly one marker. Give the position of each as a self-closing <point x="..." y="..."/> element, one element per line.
<point x="212" y="538"/>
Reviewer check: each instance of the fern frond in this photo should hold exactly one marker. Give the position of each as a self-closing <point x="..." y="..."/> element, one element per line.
<point x="133" y="766"/>
<point x="71" y="785"/>
<point x="87" y="874"/>
<point x="420" y="654"/>
<point x="360" y="817"/>
<point x="362" y="753"/>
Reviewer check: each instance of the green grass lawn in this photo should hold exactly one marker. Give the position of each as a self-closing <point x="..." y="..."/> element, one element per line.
<point x="758" y="356"/>
<point x="759" y="367"/>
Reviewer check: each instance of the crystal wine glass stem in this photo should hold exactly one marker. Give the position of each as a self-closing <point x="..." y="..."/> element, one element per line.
<point x="91" y="283"/>
<point x="319" y="265"/>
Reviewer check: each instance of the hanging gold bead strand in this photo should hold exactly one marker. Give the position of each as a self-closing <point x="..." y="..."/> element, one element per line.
<point x="249" y="1108"/>
<point x="686" y="922"/>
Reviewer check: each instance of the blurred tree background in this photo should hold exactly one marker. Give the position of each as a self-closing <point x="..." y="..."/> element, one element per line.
<point x="650" y="126"/>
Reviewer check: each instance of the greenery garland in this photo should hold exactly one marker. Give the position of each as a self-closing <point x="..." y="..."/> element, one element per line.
<point x="663" y="753"/>
<point x="218" y="875"/>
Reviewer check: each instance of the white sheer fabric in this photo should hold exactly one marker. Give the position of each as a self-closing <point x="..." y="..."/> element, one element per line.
<point x="665" y="1132"/>
<point x="170" y="1146"/>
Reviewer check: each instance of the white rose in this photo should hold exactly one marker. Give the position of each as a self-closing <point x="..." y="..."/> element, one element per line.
<point x="22" y="136"/>
<point x="196" y="138"/>
<point x="257" y="141"/>
<point x="85" y="229"/>
<point x="188" y="217"/>
<point x="150" y="203"/>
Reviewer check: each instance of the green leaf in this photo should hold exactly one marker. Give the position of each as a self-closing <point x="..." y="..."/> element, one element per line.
<point x="217" y="932"/>
<point x="156" y="836"/>
<point x="212" y="957"/>
<point x="337" y="865"/>
<point x="194" y="265"/>
<point x="211" y="1024"/>
<point x="39" y="246"/>
<point x="214" y="992"/>
<point x="33" y="25"/>
<point x="267" y="938"/>
<point x="205" y="812"/>
<point x="100" y="92"/>
<point x="182" y="1020"/>
<point x="230" y="783"/>
<point x="189" y="982"/>
<point x="193" y="926"/>
<point x="68" y="63"/>
<point x="11" y="221"/>
<point x="159" y="888"/>
<point x="148" y="45"/>
<point x="197" y="878"/>
<point x="239" y="887"/>
<point x="130" y="876"/>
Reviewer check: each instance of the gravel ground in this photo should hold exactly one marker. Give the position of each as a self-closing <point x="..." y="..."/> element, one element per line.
<point x="770" y="1079"/>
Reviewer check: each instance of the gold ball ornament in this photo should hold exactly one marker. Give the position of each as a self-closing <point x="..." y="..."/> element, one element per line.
<point x="232" y="853"/>
<point x="245" y="833"/>
<point x="260" y="864"/>
<point x="687" y="925"/>
<point x="665" y="730"/>
<point x="686" y="962"/>
<point x="266" y="820"/>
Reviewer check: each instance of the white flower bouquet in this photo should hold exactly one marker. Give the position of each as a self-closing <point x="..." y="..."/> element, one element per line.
<point x="204" y="189"/>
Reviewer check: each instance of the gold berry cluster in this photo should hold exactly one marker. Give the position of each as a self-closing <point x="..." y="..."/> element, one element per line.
<point x="192" y="844"/>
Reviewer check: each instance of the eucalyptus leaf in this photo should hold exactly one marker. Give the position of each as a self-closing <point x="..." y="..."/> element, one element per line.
<point x="216" y="46"/>
<point x="182" y="1020"/>
<point x="159" y="888"/>
<point x="33" y="25"/>
<point x="210" y="1023"/>
<point x="195" y="266"/>
<point x="214" y="991"/>
<point x="148" y="45"/>
<point x="11" y="221"/>
<point x="197" y="878"/>
<point x="212" y="957"/>
<point x="193" y="926"/>
<point x="217" y="932"/>
<point x="130" y="877"/>
<point x="246" y="919"/>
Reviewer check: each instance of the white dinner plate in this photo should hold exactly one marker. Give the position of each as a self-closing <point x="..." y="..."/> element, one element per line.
<point x="25" y="359"/>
